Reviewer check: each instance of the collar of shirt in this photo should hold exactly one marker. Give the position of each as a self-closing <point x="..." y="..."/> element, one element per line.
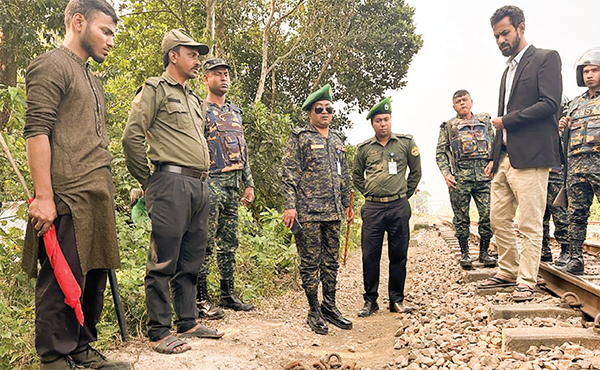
<point x="173" y="81"/>
<point x="226" y="104"/>
<point x="375" y="141"/>
<point x="74" y="56"/>
<point x="513" y="62"/>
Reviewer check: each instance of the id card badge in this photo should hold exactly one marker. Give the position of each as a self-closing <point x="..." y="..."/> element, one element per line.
<point x="392" y="166"/>
<point x="339" y="168"/>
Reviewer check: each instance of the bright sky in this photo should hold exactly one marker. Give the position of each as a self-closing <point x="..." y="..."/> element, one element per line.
<point x="459" y="52"/>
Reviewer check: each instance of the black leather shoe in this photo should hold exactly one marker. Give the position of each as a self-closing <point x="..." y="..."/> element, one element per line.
<point x="316" y="322"/>
<point x="334" y="316"/>
<point x="401" y="308"/>
<point x="368" y="309"/>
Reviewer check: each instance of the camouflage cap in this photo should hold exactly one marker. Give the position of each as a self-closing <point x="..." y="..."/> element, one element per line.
<point x="178" y="37"/>
<point x="214" y="63"/>
<point x="384" y="106"/>
<point x="324" y="93"/>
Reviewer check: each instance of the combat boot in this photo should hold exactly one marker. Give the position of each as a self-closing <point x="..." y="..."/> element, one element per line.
<point x="563" y="258"/>
<point x="575" y="264"/>
<point x="465" y="259"/>
<point x="230" y="299"/>
<point x="315" y="319"/>
<point x="546" y="255"/>
<point x="484" y="255"/>
<point x="330" y="311"/>
<point x="206" y="309"/>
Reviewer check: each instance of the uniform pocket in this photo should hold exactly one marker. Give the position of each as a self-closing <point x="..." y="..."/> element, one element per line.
<point x="180" y="114"/>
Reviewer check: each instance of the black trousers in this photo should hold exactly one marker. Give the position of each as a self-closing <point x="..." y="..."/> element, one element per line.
<point x="57" y="332"/>
<point x="378" y="218"/>
<point x="178" y="208"/>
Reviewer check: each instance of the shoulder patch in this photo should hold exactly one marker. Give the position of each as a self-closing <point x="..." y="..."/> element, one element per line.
<point x="414" y="151"/>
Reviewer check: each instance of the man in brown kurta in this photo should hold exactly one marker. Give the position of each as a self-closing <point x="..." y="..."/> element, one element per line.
<point x="70" y="167"/>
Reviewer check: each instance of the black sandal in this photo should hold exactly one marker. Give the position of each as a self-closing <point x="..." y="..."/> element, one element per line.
<point x="523" y="289"/>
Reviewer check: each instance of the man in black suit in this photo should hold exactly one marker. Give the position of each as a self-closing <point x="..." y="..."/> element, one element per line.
<point x="525" y="146"/>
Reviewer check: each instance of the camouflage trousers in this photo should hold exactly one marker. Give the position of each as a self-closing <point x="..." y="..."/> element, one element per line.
<point x="222" y="229"/>
<point x="560" y="218"/>
<point x="581" y="188"/>
<point x="318" y="245"/>
<point x="460" y="199"/>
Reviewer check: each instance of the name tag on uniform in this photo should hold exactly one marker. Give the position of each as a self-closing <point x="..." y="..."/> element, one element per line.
<point x="317" y="146"/>
<point x="339" y="167"/>
<point x="392" y="168"/>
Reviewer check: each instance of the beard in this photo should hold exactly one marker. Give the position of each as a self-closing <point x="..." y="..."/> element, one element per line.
<point x="511" y="50"/>
<point x="88" y="45"/>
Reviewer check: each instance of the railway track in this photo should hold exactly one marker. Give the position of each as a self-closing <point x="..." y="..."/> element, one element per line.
<point x="582" y="292"/>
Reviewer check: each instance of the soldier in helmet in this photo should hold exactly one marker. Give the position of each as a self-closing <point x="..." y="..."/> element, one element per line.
<point x="380" y="174"/>
<point x="462" y="154"/>
<point x="316" y="187"/>
<point x="583" y="158"/>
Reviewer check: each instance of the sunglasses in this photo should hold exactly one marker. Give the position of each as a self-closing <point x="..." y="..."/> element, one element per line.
<point x="328" y="109"/>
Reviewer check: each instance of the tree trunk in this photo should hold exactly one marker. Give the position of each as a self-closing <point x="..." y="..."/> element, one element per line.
<point x="265" y="54"/>
<point x="8" y="72"/>
<point x="210" y="22"/>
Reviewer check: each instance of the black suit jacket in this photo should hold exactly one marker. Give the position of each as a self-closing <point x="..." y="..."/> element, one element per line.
<point x="531" y="117"/>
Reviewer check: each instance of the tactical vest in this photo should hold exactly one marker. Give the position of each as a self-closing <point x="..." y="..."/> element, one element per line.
<point x="470" y="139"/>
<point x="585" y="127"/>
<point x="226" y="144"/>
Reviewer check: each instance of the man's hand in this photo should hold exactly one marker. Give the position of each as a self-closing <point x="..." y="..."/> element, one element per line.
<point x="288" y="217"/>
<point x="497" y="122"/>
<point x="248" y="196"/>
<point x="43" y="213"/>
<point x="450" y="181"/>
<point x="488" y="169"/>
<point x="135" y="195"/>
<point x="349" y="214"/>
<point x="564" y="121"/>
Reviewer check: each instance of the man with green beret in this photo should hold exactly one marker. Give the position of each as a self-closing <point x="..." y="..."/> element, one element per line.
<point x="463" y="148"/>
<point x="166" y="123"/>
<point x="380" y="165"/>
<point x="316" y="186"/>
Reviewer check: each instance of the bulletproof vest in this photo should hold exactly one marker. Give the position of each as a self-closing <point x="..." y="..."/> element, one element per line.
<point x="226" y="144"/>
<point x="585" y="127"/>
<point x="470" y="138"/>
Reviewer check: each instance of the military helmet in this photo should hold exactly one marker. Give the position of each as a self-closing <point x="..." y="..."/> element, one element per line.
<point x="590" y="57"/>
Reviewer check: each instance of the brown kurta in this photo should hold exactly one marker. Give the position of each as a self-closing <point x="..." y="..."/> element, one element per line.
<point x="66" y="102"/>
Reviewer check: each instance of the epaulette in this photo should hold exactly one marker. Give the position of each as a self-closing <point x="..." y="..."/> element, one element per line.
<point x="298" y="130"/>
<point x="152" y="81"/>
<point x="236" y="108"/>
<point x="483" y="117"/>
<point x="447" y="122"/>
<point x="404" y="136"/>
<point x="365" y="142"/>
<point x="339" y="134"/>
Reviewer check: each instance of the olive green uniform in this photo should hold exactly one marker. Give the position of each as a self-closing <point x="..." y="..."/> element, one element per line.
<point x="380" y="175"/>
<point x="168" y="118"/>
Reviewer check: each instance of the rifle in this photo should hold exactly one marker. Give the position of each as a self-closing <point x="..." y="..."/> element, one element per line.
<point x="111" y="273"/>
<point x="349" y="222"/>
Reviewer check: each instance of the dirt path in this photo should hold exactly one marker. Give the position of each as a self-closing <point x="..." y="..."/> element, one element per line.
<point x="276" y="333"/>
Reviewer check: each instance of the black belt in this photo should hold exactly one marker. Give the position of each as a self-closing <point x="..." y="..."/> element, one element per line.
<point x="389" y="198"/>
<point x="202" y="175"/>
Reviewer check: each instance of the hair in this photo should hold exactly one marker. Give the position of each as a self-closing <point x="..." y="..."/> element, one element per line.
<point x="460" y="93"/>
<point x="166" y="56"/>
<point x="88" y="8"/>
<point x="515" y="14"/>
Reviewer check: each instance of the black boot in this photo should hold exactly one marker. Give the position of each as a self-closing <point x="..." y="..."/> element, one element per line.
<point x="315" y="319"/>
<point x="330" y="311"/>
<point x="484" y="255"/>
<point x="229" y="299"/>
<point x="546" y="252"/>
<point x="563" y="258"/>
<point x="575" y="264"/>
<point x="465" y="259"/>
<point x="206" y="309"/>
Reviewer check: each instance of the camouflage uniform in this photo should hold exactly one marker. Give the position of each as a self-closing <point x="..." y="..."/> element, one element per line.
<point x="317" y="184"/>
<point x="583" y="175"/>
<point x="462" y="151"/>
<point x="228" y="167"/>
<point x="559" y="214"/>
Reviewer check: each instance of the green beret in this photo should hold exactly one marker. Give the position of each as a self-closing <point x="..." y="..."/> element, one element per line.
<point x="324" y="93"/>
<point x="384" y="106"/>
